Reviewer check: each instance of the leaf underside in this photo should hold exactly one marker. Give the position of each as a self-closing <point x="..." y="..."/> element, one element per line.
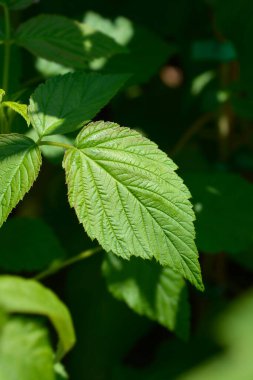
<point x="127" y="195"/>
<point x="151" y="290"/>
<point x="20" y="161"/>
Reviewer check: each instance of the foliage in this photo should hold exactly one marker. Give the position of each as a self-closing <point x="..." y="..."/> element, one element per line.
<point x="91" y="206"/>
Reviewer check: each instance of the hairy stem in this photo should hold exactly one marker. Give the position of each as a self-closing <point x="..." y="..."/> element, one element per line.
<point x="55" y="268"/>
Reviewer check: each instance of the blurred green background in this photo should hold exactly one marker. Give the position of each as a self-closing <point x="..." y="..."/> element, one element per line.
<point x="191" y="91"/>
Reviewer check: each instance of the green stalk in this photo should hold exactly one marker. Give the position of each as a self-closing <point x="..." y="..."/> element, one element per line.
<point x="57" y="267"/>
<point x="52" y="143"/>
<point x="7" y="48"/>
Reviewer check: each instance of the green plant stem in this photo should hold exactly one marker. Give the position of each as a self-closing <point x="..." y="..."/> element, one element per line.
<point x="52" y="143"/>
<point x="7" y="48"/>
<point x="55" y="268"/>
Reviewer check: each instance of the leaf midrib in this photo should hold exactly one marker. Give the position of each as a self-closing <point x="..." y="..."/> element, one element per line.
<point x="153" y="218"/>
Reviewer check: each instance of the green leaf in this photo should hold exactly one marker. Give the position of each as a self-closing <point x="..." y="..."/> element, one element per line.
<point x="142" y="44"/>
<point x="127" y="195"/>
<point x="147" y="54"/>
<point x="60" y="371"/>
<point x="51" y="69"/>
<point x="121" y="29"/>
<point x="18" y="295"/>
<point x="35" y="245"/>
<point x="65" y="41"/>
<point x="72" y="100"/>
<point x="234" y="331"/>
<point x="223" y="204"/>
<point x="25" y="351"/>
<point x="2" y="93"/>
<point x="17" y="4"/>
<point x="20" y="161"/>
<point x="151" y="290"/>
<point x="19" y="108"/>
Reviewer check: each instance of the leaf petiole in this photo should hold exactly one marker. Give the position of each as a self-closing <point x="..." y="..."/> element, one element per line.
<point x="57" y="267"/>
<point x="57" y="144"/>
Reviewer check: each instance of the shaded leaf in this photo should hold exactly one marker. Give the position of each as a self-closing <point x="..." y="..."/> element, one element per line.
<point x="65" y="41"/>
<point x="142" y="44"/>
<point x="235" y="332"/>
<point x="18" y="4"/>
<point x="35" y="245"/>
<point x="224" y="208"/>
<point x="127" y="195"/>
<point x="18" y="295"/>
<point x="151" y="290"/>
<point x="20" y="161"/>
<point x="72" y="100"/>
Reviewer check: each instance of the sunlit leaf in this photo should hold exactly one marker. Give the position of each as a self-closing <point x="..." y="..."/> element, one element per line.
<point x="20" y="161"/>
<point x="2" y="93"/>
<point x="72" y="100"/>
<point x="18" y="295"/>
<point x="127" y="195"/>
<point x="19" y="108"/>
<point x="25" y="351"/>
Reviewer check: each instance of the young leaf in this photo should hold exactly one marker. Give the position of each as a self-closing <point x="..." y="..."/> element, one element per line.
<point x="19" y="108"/>
<point x="20" y="161"/>
<point x="151" y="290"/>
<point x="17" y="4"/>
<point x="18" y="295"/>
<point x="31" y="235"/>
<point x="65" y="41"/>
<point x="127" y="195"/>
<point x="72" y="100"/>
<point x="25" y="351"/>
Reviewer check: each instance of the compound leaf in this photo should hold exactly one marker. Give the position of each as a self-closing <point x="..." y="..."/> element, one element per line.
<point x="72" y="100"/>
<point x="20" y="161"/>
<point x="25" y="351"/>
<point x="151" y="290"/>
<point x="127" y="195"/>
<point x="18" y="295"/>
<point x="65" y="41"/>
